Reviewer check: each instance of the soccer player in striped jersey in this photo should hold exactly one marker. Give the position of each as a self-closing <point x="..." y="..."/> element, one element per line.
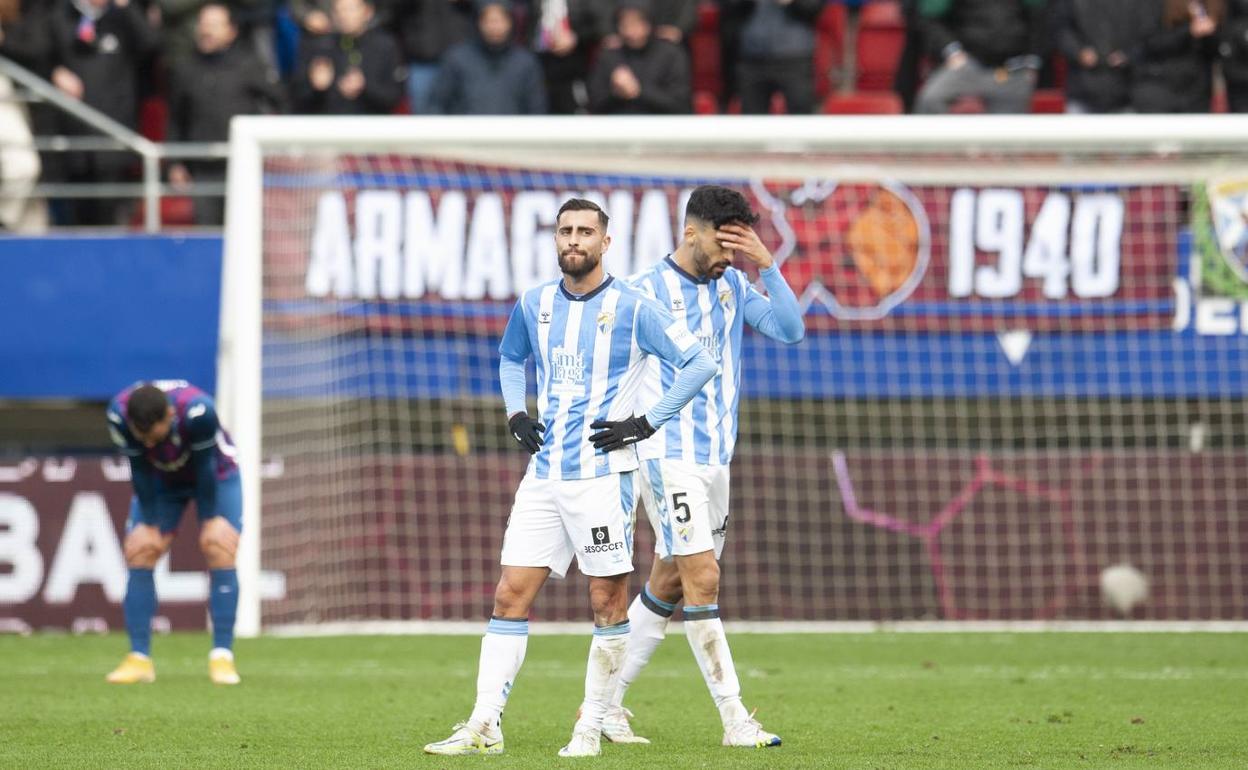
<point x="178" y="452"/>
<point x="684" y="466"/>
<point x="590" y="336"/>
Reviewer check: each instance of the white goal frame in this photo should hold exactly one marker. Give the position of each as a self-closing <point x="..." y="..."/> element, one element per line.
<point x="239" y="375"/>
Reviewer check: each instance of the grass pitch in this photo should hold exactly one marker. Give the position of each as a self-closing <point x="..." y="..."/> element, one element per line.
<point x="885" y="700"/>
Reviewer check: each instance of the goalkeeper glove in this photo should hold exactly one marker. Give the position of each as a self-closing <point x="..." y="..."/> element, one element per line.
<point x="617" y="434"/>
<point x="527" y="431"/>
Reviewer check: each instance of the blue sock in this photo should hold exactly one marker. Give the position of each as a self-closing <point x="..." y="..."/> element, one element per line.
<point x="139" y="607"/>
<point x="223" y="605"/>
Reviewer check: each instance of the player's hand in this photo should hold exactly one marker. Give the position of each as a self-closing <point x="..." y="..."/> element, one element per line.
<point x="527" y="431"/>
<point x="744" y="240"/>
<point x="617" y="434"/>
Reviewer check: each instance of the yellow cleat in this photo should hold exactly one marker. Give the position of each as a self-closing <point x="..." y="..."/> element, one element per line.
<point x="221" y="671"/>
<point x="134" y="669"/>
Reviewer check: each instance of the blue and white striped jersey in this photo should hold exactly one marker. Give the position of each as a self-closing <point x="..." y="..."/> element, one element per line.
<point x="590" y="353"/>
<point x="715" y="311"/>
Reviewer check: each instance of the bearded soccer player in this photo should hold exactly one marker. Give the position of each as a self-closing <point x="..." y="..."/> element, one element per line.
<point x="178" y="452"/>
<point x="684" y="466"/>
<point x="590" y="336"/>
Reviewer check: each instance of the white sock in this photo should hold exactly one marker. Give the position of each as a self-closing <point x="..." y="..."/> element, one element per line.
<point x="502" y="652"/>
<point x="647" y="616"/>
<point x="602" y="673"/>
<point x="710" y="647"/>
<point x="220" y="652"/>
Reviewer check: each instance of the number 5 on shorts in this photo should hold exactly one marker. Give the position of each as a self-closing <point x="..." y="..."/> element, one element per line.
<point x="679" y="505"/>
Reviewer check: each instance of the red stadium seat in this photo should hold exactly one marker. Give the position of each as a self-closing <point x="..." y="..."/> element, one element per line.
<point x="879" y="50"/>
<point x="882" y="14"/>
<point x="829" y="48"/>
<point x="1048" y="101"/>
<point x="863" y="103"/>
<point x="175" y="211"/>
<point x="778" y="107"/>
<point x="705" y="103"/>
<point x="704" y="51"/>
<point x="153" y="118"/>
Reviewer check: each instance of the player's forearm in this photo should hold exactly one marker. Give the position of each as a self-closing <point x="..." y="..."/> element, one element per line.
<point x="511" y="378"/>
<point x="786" y="314"/>
<point x="205" y="482"/>
<point x="689" y="380"/>
<point x="144" y="482"/>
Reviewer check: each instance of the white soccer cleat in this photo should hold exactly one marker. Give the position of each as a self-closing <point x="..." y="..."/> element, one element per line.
<point x="616" y="729"/>
<point x="467" y="740"/>
<point x="749" y="733"/>
<point x="586" y="742"/>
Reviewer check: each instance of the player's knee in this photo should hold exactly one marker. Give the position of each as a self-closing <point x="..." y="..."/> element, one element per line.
<point x="701" y="582"/>
<point x="608" y="599"/>
<point x="143" y="550"/>
<point x="218" y="547"/>
<point x="509" y="600"/>
<point x="666" y="585"/>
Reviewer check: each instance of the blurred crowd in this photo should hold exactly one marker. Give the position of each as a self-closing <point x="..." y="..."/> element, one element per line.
<point x="208" y="60"/>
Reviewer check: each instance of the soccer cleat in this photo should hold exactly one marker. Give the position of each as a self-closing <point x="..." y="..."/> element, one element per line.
<point x="134" y="669"/>
<point x="466" y="740"/>
<point x="749" y="734"/>
<point x="586" y="742"/>
<point x="221" y="670"/>
<point x="615" y="726"/>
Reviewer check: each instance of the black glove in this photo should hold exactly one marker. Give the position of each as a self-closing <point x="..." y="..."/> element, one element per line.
<point x="527" y="431"/>
<point x="617" y="434"/>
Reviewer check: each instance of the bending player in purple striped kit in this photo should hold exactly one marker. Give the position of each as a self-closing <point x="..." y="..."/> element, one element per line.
<point x="590" y="336"/>
<point x="178" y="452"/>
<point x="684" y="466"/>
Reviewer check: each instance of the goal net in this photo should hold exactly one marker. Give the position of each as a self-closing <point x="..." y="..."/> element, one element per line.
<point x="1026" y="357"/>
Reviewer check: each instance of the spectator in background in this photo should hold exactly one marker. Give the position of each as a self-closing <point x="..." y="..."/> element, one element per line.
<point x="355" y="70"/>
<point x="1097" y="38"/>
<point x="19" y="162"/>
<point x="1233" y="48"/>
<point x="426" y="29"/>
<point x="312" y="16"/>
<point x="222" y="79"/>
<point x="643" y="75"/>
<point x="96" y="48"/>
<point x="776" y="54"/>
<point x="1173" y="71"/>
<point x="564" y="33"/>
<point x="988" y="49"/>
<point x="490" y="74"/>
<point x="179" y="18"/>
<point x="673" y="20"/>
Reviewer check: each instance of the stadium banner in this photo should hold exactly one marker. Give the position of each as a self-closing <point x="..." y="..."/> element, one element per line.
<point x="966" y="291"/>
<point x="62" y="523"/>
<point x="82" y="317"/>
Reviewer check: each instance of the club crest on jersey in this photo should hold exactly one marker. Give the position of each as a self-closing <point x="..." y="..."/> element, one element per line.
<point x="725" y="300"/>
<point x="1228" y="205"/>
<point x="859" y="249"/>
<point x="605" y="321"/>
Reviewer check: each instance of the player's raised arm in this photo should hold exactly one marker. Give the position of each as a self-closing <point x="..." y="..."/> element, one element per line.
<point x="777" y="315"/>
<point x="514" y="351"/>
<point x="658" y="334"/>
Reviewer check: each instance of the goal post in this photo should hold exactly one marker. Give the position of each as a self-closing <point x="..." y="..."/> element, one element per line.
<point x="1026" y="357"/>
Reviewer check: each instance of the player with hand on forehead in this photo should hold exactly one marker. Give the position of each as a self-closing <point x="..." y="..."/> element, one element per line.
<point x="178" y="452"/>
<point x="684" y="466"/>
<point x="590" y="336"/>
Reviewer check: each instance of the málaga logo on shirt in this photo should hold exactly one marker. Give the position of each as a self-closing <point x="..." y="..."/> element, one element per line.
<point x="567" y="370"/>
<point x="725" y="300"/>
<point x="605" y="321"/>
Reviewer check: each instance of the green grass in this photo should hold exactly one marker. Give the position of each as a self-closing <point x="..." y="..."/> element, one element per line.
<point x="854" y="701"/>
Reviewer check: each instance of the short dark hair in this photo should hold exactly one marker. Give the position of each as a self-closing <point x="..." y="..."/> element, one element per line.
<point x="147" y="406"/>
<point x="719" y="206"/>
<point x="580" y="204"/>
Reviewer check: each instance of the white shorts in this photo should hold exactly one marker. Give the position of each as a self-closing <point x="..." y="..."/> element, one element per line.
<point x="552" y="519"/>
<point x="688" y="506"/>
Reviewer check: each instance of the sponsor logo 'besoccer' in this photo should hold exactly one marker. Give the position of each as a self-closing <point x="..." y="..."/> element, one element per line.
<point x="862" y="248"/>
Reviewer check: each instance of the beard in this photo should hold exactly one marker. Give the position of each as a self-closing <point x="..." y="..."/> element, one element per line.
<point x="581" y="268"/>
<point x="708" y="268"/>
